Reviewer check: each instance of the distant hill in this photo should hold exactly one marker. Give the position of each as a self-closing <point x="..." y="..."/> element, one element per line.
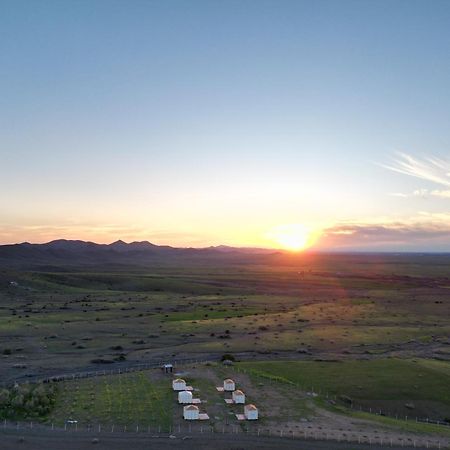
<point x="73" y="253"/>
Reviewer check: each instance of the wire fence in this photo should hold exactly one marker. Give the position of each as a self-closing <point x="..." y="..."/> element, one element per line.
<point x="378" y="440"/>
<point x="303" y="432"/>
<point x="311" y="390"/>
<point x="333" y="398"/>
<point x="127" y="368"/>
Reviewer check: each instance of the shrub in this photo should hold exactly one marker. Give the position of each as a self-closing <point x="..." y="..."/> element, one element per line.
<point x="31" y="400"/>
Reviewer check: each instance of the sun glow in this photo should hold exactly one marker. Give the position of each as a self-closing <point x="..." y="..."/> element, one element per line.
<point x="294" y="237"/>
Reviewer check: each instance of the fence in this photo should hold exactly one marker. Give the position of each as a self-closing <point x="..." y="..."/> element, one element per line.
<point x="354" y="406"/>
<point x="99" y="430"/>
<point x="307" y="432"/>
<point x="126" y="368"/>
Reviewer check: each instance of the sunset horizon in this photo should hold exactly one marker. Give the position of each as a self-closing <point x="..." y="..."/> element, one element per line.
<point x="174" y="131"/>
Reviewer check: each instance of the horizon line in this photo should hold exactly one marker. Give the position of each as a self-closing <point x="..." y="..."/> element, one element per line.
<point x="274" y="249"/>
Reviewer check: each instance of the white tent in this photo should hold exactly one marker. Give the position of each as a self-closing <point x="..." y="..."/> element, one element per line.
<point x="185" y="397"/>
<point x="179" y="385"/>
<point x="191" y="412"/>
<point x="238" y="397"/>
<point x="228" y="385"/>
<point x="251" y="412"/>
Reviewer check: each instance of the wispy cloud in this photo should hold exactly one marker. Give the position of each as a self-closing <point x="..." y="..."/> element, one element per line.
<point x="431" y="168"/>
<point x="424" y="193"/>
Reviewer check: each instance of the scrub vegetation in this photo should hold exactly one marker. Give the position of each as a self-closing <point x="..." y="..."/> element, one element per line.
<point x="371" y="331"/>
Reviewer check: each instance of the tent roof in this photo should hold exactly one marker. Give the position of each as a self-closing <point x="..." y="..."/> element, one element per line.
<point x="179" y="380"/>
<point x="238" y="392"/>
<point x="250" y="407"/>
<point x="228" y="380"/>
<point x="185" y="392"/>
<point x="191" y="407"/>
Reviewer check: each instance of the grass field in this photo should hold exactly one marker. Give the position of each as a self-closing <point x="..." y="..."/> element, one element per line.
<point x="123" y="400"/>
<point x="388" y="310"/>
<point x="146" y="399"/>
<point x="383" y="320"/>
<point x="66" y="320"/>
<point x="404" y="387"/>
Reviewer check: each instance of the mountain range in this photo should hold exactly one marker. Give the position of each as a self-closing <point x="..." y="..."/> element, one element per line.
<point x="69" y="253"/>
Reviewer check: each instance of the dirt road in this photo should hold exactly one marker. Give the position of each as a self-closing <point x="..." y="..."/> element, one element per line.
<point x="51" y="440"/>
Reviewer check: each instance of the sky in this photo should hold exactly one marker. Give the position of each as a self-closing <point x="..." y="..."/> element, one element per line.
<point x="248" y="123"/>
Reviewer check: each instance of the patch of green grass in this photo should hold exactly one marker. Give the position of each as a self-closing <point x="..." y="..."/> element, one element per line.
<point x="407" y="426"/>
<point x="387" y="384"/>
<point x="123" y="400"/>
<point x="398" y="424"/>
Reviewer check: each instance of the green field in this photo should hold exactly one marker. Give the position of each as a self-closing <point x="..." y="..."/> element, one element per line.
<point x="381" y="384"/>
<point x="122" y="400"/>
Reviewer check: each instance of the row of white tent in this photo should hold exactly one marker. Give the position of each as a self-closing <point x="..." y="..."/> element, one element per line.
<point x="237" y="396"/>
<point x="190" y="411"/>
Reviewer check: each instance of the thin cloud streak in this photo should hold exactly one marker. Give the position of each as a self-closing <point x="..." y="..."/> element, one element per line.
<point x="424" y="193"/>
<point x="432" y="169"/>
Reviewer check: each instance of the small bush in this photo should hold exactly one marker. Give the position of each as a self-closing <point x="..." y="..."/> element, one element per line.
<point x="24" y="401"/>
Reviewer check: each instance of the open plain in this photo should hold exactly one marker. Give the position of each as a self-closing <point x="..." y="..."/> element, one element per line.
<point x="347" y="346"/>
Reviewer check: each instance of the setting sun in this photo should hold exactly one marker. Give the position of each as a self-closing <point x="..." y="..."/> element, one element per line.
<point x="294" y="237"/>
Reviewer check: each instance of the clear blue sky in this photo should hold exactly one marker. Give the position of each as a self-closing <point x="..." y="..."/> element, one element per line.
<point x="208" y="122"/>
